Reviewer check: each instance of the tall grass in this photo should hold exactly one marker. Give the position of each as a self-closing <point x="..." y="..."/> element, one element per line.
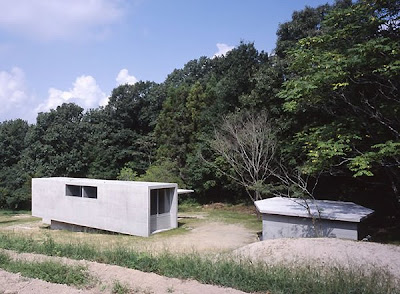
<point x="49" y="271"/>
<point x="243" y="275"/>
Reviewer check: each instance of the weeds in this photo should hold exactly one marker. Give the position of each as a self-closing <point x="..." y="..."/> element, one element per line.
<point x="50" y="271"/>
<point x="243" y="275"/>
<point x="119" y="288"/>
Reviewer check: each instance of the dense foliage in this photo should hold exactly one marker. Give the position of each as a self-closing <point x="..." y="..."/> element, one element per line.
<point x="331" y="92"/>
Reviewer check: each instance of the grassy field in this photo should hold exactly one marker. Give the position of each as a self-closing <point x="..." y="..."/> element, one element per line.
<point x="243" y="275"/>
<point x="191" y="217"/>
<point x="9" y="217"/>
<point x="217" y="269"/>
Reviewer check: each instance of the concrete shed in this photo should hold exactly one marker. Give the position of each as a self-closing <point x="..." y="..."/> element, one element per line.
<point x="289" y="218"/>
<point x="134" y="208"/>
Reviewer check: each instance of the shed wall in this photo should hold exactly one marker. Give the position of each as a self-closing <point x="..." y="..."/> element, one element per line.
<point x="280" y="226"/>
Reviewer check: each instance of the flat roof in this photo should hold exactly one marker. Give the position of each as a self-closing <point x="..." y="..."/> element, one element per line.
<point x="86" y="181"/>
<point x="184" y="191"/>
<point x="331" y="210"/>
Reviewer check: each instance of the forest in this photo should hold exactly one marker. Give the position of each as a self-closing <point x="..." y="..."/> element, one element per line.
<point x="318" y="117"/>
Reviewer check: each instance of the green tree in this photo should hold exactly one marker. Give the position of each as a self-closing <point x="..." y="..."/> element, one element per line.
<point x="343" y="88"/>
<point x="55" y="144"/>
<point x="14" y="182"/>
<point x="122" y="132"/>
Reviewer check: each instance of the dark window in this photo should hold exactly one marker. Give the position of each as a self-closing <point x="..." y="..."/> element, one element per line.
<point x="81" y="191"/>
<point x="72" y="190"/>
<point x="153" y="202"/>
<point x="89" y="192"/>
<point x="160" y="201"/>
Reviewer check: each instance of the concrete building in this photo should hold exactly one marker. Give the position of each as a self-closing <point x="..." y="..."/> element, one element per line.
<point x="294" y="218"/>
<point x="134" y="208"/>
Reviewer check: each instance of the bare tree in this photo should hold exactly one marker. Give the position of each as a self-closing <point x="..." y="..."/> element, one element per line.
<point x="247" y="143"/>
<point x="296" y="184"/>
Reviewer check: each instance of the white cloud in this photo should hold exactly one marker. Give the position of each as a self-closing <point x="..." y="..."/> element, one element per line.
<point x="60" y="19"/>
<point x="12" y="89"/>
<point x="15" y="98"/>
<point x="222" y="49"/>
<point x="85" y="92"/>
<point x="124" y="78"/>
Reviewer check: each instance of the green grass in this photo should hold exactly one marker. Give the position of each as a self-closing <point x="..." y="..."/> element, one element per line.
<point x="243" y="275"/>
<point x="50" y="271"/>
<point x="233" y="217"/>
<point x="119" y="288"/>
<point x="8" y="212"/>
<point x="11" y="217"/>
<point x="227" y="213"/>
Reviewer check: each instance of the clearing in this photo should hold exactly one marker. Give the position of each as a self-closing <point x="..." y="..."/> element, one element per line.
<point x="208" y="230"/>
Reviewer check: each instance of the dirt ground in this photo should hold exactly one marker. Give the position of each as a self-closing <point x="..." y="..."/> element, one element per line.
<point x="321" y="251"/>
<point x="325" y="251"/>
<point x="201" y="237"/>
<point x="105" y="276"/>
<point x="205" y="237"/>
<point x="210" y="237"/>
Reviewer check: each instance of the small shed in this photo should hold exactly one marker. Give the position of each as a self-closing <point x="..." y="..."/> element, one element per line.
<point x="128" y="207"/>
<point x="295" y="218"/>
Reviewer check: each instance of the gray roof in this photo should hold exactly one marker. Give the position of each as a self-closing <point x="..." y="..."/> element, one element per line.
<point x="332" y="210"/>
<point x="87" y="181"/>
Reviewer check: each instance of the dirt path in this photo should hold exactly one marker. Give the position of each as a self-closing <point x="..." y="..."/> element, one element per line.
<point x="105" y="275"/>
<point x="15" y="284"/>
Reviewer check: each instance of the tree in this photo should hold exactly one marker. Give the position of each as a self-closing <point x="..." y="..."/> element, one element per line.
<point x="344" y="88"/>
<point x="55" y="144"/>
<point x="163" y="171"/>
<point x="246" y="144"/>
<point x="122" y="132"/>
<point x="14" y="182"/>
<point x="304" y="23"/>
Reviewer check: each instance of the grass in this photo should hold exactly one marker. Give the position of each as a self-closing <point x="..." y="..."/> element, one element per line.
<point x="227" y="213"/>
<point x="100" y="240"/>
<point x="250" y="221"/>
<point x="5" y="212"/>
<point x="131" y="252"/>
<point x="119" y="288"/>
<point x="11" y="217"/>
<point x="243" y="275"/>
<point x="50" y="271"/>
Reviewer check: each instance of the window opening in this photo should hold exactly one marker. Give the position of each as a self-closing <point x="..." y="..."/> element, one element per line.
<point x="72" y="190"/>
<point x="153" y="202"/>
<point x="81" y="191"/>
<point x="89" y="192"/>
<point x="160" y="201"/>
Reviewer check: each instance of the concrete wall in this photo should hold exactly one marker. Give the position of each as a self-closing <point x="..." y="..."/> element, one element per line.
<point x="120" y="206"/>
<point x="280" y="226"/>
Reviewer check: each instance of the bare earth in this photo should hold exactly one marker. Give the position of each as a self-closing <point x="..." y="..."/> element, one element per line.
<point x="207" y="237"/>
<point x="325" y="251"/>
<point x="215" y="237"/>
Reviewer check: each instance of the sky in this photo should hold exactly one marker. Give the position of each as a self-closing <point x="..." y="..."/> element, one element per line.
<point x="58" y="51"/>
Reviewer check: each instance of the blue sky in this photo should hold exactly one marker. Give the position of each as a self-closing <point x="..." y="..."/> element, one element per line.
<point x="79" y="50"/>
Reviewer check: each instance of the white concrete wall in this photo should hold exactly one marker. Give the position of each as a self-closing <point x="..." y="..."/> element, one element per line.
<point x="120" y="206"/>
<point x="280" y="226"/>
